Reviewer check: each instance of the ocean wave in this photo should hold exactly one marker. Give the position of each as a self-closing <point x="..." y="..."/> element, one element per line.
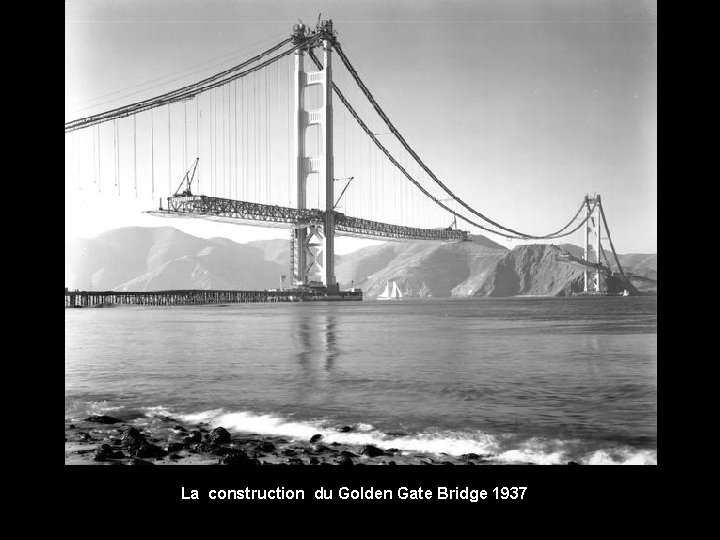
<point x="451" y="443"/>
<point x="622" y="456"/>
<point x="79" y="409"/>
<point x="501" y="449"/>
<point x="494" y="448"/>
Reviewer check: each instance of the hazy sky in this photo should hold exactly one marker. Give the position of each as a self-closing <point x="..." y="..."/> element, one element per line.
<point x="521" y="107"/>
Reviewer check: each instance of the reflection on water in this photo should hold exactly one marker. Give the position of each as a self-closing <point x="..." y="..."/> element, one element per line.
<point x="316" y="342"/>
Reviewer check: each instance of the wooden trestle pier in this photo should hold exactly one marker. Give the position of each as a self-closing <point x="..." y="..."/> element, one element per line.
<point x="198" y="297"/>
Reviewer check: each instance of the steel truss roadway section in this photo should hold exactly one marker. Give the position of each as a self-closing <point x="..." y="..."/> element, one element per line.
<point x="204" y="206"/>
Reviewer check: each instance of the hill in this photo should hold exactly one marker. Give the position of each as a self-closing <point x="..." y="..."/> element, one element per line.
<point x="140" y="259"/>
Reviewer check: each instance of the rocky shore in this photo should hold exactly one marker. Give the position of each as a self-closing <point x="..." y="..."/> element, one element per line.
<point x="105" y="440"/>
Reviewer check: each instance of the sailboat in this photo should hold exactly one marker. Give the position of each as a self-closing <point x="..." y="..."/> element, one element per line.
<point x="390" y="293"/>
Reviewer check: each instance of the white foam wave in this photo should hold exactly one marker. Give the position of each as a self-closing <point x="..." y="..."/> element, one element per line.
<point x="77" y="410"/>
<point x="622" y="456"/>
<point x="535" y="450"/>
<point x="156" y="412"/>
<point x="441" y="442"/>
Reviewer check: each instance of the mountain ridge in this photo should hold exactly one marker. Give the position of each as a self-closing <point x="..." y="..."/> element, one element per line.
<point x="161" y="258"/>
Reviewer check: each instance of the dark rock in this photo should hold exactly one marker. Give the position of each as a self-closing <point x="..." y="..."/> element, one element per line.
<point x="344" y="460"/>
<point x="288" y="452"/>
<point x="85" y="436"/>
<point x="132" y="438"/>
<point x="372" y="451"/>
<point x="174" y="457"/>
<point x="348" y="453"/>
<point x="392" y="451"/>
<point x="220" y="435"/>
<point x="345" y="429"/>
<point x="194" y="437"/>
<point x="174" y="447"/>
<point x="71" y="426"/>
<point x="572" y="463"/>
<point x="102" y="419"/>
<point x="140" y="462"/>
<point x="315" y="438"/>
<point x="295" y="461"/>
<point x="323" y="448"/>
<point x="391" y="463"/>
<point x="447" y="463"/>
<point x="238" y="457"/>
<point x="104" y="452"/>
<point x="334" y="444"/>
<point x="265" y="446"/>
<point x="180" y="428"/>
<point x="470" y="456"/>
<point x="314" y="460"/>
<point x="207" y="447"/>
<point x="147" y="450"/>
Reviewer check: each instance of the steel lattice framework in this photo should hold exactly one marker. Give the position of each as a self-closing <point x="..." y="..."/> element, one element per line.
<point x="202" y="205"/>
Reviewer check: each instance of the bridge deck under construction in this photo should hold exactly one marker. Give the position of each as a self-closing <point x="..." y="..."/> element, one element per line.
<point x="283" y="216"/>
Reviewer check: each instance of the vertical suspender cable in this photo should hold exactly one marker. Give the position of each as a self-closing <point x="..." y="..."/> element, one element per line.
<point x="169" y="155"/>
<point x="224" y="144"/>
<point x="115" y="144"/>
<point x="99" y="161"/>
<point x="276" y="131"/>
<point x="213" y="150"/>
<point x="235" y="146"/>
<point x="243" y="138"/>
<point x="229" y="145"/>
<point x="94" y="139"/>
<point x="277" y="122"/>
<point x="185" y="133"/>
<point x="291" y="135"/>
<point x="257" y="141"/>
<point x="135" y="151"/>
<point x="94" y="157"/>
<point x="267" y="137"/>
<point x="197" y="137"/>
<point x="152" y="153"/>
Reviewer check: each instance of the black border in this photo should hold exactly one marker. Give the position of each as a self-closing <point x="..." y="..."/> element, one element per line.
<point x="563" y="490"/>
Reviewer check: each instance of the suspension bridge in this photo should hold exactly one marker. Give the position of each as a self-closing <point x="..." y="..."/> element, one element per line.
<point x="262" y="143"/>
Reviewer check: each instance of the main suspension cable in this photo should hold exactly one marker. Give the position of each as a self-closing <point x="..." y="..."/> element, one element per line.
<point x="402" y="169"/>
<point x="417" y="158"/>
<point x="189" y="91"/>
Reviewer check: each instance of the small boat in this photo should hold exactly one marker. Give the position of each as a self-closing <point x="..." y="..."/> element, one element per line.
<point x="390" y="294"/>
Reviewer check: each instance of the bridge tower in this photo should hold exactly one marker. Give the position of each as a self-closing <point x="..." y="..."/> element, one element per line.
<point x="313" y="243"/>
<point x="592" y="227"/>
